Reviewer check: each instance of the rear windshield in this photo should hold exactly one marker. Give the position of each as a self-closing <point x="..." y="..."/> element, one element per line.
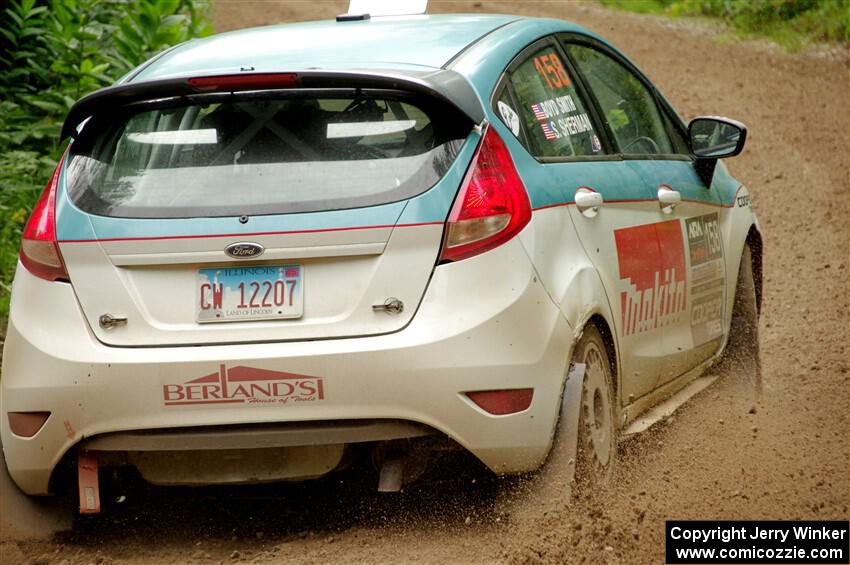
<point x="260" y="153"/>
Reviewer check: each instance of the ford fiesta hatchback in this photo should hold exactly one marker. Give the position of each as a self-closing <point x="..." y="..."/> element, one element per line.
<point x="268" y="249"/>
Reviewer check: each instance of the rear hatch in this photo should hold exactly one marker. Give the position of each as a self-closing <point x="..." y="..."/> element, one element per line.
<point x="259" y="215"/>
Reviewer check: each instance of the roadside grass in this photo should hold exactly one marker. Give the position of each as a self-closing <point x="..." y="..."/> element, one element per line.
<point x="639" y="6"/>
<point x="792" y="24"/>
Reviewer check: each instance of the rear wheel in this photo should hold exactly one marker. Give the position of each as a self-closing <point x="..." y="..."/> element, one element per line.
<point x="584" y="450"/>
<point x="596" y="448"/>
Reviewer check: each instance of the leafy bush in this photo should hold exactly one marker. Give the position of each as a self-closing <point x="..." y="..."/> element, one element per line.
<point x="52" y="52"/>
<point x="787" y="20"/>
<point x="639" y="6"/>
<point x="790" y="22"/>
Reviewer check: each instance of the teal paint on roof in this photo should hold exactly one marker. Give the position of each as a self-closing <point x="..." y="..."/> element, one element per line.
<point x="483" y="63"/>
<point x="397" y="42"/>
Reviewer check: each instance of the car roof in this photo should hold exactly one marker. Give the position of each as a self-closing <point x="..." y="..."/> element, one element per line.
<point x="390" y="42"/>
<point x="406" y="42"/>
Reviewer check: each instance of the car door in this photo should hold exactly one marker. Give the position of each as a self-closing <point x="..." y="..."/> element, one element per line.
<point x="686" y="210"/>
<point x="548" y="112"/>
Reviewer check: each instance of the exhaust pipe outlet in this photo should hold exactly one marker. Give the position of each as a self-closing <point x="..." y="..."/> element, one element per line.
<point x="391" y="475"/>
<point x="400" y="462"/>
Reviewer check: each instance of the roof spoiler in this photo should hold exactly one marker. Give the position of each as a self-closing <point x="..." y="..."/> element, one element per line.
<point x="446" y="85"/>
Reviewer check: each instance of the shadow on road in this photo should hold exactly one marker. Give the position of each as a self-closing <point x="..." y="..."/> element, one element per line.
<point x="456" y="491"/>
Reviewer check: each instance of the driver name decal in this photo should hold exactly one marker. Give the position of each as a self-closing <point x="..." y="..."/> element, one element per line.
<point x="244" y="385"/>
<point x="560" y="117"/>
<point x="653" y="290"/>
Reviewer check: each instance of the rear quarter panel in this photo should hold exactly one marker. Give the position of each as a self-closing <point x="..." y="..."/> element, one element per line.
<point x="550" y="239"/>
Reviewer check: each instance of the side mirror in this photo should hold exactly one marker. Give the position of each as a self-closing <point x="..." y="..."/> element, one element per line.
<point x="715" y="138"/>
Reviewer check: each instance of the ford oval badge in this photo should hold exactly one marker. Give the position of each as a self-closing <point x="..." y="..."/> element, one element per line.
<point x="244" y="250"/>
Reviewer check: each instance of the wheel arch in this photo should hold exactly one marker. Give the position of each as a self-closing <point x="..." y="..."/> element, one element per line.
<point x="601" y="324"/>
<point x="584" y="301"/>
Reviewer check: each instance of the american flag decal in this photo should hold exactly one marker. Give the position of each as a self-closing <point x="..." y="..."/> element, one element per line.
<point x="539" y="113"/>
<point x="548" y="132"/>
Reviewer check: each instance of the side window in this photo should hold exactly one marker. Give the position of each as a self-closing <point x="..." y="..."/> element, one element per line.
<point x="628" y="106"/>
<point x="555" y="119"/>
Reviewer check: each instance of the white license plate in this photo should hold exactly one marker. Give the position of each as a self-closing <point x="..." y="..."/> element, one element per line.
<point x="233" y="294"/>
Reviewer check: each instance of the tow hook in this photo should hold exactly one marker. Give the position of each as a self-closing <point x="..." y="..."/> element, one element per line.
<point x="107" y="321"/>
<point x="390" y="306"/>
<point x="88" y="483"/>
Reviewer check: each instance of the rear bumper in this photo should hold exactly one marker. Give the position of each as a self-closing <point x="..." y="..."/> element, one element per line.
<point x="484" y="323"/>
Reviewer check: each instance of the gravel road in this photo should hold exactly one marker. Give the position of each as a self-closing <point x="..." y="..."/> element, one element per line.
<point x="715" y="459"/>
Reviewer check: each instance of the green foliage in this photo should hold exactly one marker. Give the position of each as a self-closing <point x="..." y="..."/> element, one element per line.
<point x="639" y="6"/>
<point x="52" y="52"/>
<point x="789" y="22"/>
<point x="23" y="170"/>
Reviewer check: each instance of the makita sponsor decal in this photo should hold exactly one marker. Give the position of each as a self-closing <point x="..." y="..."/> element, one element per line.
<point x="653" y="291"/>
<point x="244" y="385"/>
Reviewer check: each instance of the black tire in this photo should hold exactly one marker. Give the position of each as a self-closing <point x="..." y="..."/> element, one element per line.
<point x="741" y="357"/>
<point x="596" y="453"/>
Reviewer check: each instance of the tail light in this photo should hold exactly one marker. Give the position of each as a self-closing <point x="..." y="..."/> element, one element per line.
<point x="39" y="249"/>
<point x="244" y="82"/>
<point x="492" y="205"/>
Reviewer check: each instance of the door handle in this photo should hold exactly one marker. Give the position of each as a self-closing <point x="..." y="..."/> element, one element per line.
<point x="668" y="198"/>
<point x="588" y="201"/>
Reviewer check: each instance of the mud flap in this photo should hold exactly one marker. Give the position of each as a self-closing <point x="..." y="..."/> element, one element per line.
<point x="552" y="485"/>
<point x="568" y="422"/>
<point x="24" y="517"/>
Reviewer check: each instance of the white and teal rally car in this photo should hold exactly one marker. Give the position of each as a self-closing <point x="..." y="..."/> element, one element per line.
<point x="268" y="248"/>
